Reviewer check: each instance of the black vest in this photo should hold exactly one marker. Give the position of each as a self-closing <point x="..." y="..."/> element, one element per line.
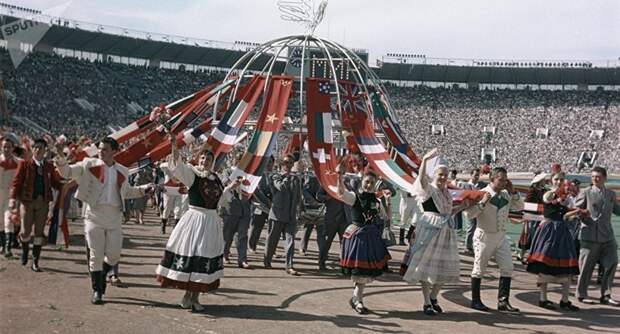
<point x="429" y="205"/>
<point x="39" y="183"/>
<point x="205" y="193"/>
<point x="365" y="204"/>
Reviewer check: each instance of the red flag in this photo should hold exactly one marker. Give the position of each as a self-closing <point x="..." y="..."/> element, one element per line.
<point x="253" y="162"/>
<point x="320" y="138"/>
<point x="224" y="136"/>
<point x="193" y="109"/>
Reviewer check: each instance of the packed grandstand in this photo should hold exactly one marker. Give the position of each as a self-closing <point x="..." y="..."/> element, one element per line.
<point x="476" y="113"/>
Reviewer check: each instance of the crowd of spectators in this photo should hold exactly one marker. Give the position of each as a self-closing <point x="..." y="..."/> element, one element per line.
<point x="569" y="116"/>
<point x="44" y="89"/>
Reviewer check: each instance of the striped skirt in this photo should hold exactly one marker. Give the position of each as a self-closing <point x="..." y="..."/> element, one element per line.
<point x="435" y="259"/>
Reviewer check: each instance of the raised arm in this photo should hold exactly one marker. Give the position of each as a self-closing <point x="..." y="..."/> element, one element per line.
<point x="179" y="169"/>
<point x="67" y="171"/>
<point x="420" y="186"/>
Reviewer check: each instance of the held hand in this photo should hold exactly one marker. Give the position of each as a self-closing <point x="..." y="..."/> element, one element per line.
<point x="237" y="182"/>
<point x="466" y="203"/>
<point x="485" y="198"/>
<point x="430" y="154"/>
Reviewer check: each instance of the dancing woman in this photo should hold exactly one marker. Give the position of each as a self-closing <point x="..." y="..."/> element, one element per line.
<point x="434" y="258"/>
<point x="363" y="252"/>
<point x="193" y="260"/>
<point x="553" y="255"/>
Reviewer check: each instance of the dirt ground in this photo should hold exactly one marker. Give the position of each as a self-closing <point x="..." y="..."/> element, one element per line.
<point x="263" y="301"/>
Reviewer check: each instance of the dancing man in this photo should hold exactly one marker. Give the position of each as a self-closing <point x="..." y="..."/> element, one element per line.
<point x="597" y="238"/>
<point x="490" y="237"/>
<point x="32" y="187"/>
<point x="103" y="187"/>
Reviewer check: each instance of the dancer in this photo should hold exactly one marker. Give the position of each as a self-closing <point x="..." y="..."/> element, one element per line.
<point x="490" y="237"/>
<point x="8" y="169"/>
<point x="193" y="259"/>
<point x="553" y="255"/>
<point x="434" y="258"/>
<point x="596" y="239"/>
<point x="363" y="252"/>
<point x="103" y="187"/>
<point x="32" y="187"/>
<point x="286" y="190"/>
<point x="172" y="193"/>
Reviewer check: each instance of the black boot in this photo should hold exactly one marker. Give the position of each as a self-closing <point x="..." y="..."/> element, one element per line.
<point x="95" y="279"/>
<point x="2" y="242"/>
<point x="409" y="234"/>
<point x="163" y="225"/>
<point x="401" y="237"/>
<point x="25" y="251"/>
<point x="9" y="245"/>
<point x="476" y="302"/>
<point x="36" y="254"/>
<point x="104" y="276"/>
<point x="503" y="295"/>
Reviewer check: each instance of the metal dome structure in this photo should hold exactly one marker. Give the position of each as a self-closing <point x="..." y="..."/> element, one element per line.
<point x="335" y="101"/>
<point x="332" y="99"/>
<point x="308" y="56"/>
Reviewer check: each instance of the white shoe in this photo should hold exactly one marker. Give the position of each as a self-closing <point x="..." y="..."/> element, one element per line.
<point x="186" y="302"/>
<point x="197" y="307"/>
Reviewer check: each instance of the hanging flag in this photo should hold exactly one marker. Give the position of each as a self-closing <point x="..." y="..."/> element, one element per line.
<point x="345" y="122"/>
<point x="144" y="123"/>
<point x="367" y="142"/>
<point x="59" y="215"/>
<point x="294" y="146"/>
<point x="406" y="158"/>
<point x="320" y="136"/>
<point x="252" y="164"/>
<point x="224" y="136"/>
<point x="184" y="138"/>
<point x="155" y="137"/>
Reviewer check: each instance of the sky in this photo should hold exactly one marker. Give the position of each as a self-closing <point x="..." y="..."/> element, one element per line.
<point x="470" y="29"/>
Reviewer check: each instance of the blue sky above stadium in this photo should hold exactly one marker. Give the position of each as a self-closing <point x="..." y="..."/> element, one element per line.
<point x="509" y="29"/>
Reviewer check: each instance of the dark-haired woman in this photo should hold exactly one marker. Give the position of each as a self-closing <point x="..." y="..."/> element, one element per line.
<point x="553" y="255"/>
<point x="193" y="260"/>
<point x="363" y="253"/>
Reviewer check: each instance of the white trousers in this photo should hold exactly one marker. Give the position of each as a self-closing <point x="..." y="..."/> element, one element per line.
<point x="172" y="205"/>
<point x="104" y="235"/>
<point x="5" y="217"/>
<point x="487" y="245"/>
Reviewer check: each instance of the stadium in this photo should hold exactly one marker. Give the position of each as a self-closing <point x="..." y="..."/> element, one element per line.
<point x="75" y="83"/>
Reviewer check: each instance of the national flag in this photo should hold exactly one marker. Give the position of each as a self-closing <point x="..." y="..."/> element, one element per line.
<point x="367" y="142"/>
<point x="186" y="137"/>
<point x="253" y="163"/>
<point x="59" y="219"/>
<point x="320" y="136"/>
<point x="224" y="136"/>
<point x="294" y="145"/>
<point x="144" y="123"/>
<point x="155" y="137"/>
<point x="406" y="158"/>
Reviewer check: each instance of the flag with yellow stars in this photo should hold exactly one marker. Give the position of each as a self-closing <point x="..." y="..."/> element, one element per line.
<point x="251" y="166"/>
